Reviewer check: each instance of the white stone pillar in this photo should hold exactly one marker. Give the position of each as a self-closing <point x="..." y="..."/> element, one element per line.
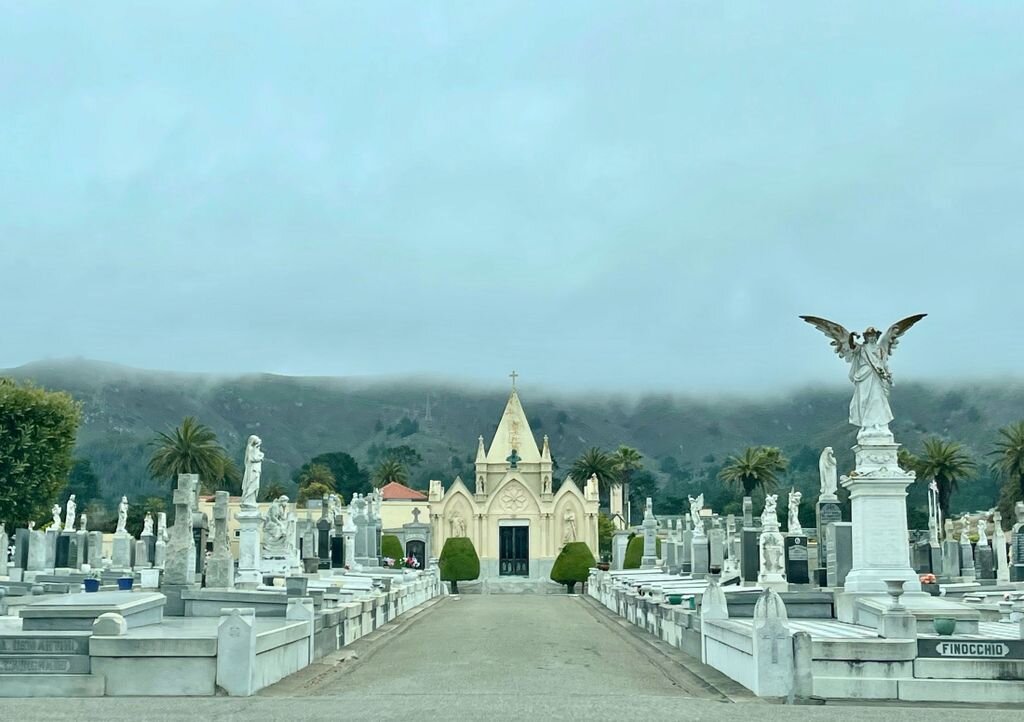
<point x="878" y="510"/>
<point x="248" y="576"/>
<point x="999" y="549"/>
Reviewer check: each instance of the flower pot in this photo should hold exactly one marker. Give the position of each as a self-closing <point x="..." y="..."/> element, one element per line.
<point x="675" y="598"/>
<point x="310" y="565"/>
<point x="92" y="585"/>
<point x="943" y="626"/>
<point x="604" y="566"/>
<point x="125" y="584"/>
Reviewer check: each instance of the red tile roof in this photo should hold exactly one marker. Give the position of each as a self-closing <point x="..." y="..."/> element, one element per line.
<point x="394" y="491"/>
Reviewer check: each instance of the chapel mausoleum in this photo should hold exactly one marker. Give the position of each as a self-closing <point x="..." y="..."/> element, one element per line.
<point x="517" y="523"/>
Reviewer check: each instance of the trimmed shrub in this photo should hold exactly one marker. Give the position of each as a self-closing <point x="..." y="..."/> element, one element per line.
<point x="391" y="547"/>
<point x="573" y="565"/>
<point x="458" y="562"/>
<point x="635" y="552"/>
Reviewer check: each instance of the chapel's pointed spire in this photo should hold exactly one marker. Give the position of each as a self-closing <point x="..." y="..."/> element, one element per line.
<point x="481" y="455"/>
<point x="545" y="454"/>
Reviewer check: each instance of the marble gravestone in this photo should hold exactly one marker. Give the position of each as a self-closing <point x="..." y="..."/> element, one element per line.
<point x="839" y="538"/>
<point x="220" y="569"/>
<point x="797" y="560"/>
<point x="4" y="543"/>
<point x="686" y="548"/>
<point x="716" y="543"/>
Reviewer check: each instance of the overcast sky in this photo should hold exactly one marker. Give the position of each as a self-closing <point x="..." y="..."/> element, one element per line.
<point x="619" y="195"/>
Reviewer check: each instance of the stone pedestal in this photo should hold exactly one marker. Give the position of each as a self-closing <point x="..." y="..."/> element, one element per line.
<point x="878" y="509"/>
<point x="160" y="554"/>
<point x="94" y="550"/>
<point x="121" y="552"/>
<point x="700" y="556"/>
<point x="797" y="560"/>
<point x="686" y="549"/>
<point x="52" y="535"/>
<point x="827" y="511"/>
<point x="620" y="540"/>
<point x="349" y="546"/>
<point x="35" y="558"/>
<point x="248" y="576"/>
<point x="772" y="550"/>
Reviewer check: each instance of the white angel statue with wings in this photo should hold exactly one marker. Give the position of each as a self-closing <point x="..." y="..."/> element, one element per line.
<point x="868" y="356"/>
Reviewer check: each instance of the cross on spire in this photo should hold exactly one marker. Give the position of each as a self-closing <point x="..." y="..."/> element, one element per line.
<point x="513" y="376"/>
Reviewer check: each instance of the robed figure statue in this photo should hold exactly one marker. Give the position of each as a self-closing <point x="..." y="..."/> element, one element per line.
<point x="868" y="356"/>
<point x="253" y="469"/>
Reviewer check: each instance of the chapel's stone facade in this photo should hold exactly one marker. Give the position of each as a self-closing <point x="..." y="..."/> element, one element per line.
<point x="516" y="522"/>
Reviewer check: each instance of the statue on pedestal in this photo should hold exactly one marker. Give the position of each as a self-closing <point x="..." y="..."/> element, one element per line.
<point x="570" y="526"/>
<point x="253" y="470"/>
<point x="769" y="517"/>
<point x="147" y="525"/>
<point x="275" y="528"/>
<point x="55" y="511"/>
<point x="868" y="355"/>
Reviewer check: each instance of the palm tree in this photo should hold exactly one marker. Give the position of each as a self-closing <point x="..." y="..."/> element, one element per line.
<point x="191" y="448"/>
<point x="1009" y="464"/>
<point x="389" y="470"/>
<point x="757" y="466"/>
<point x="627" y="460"/>
<point x="944" y="461"/>
<point x="595" y="461"/>
<point x="319" y="474"/>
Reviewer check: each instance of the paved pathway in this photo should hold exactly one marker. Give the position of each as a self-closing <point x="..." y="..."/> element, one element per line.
<point x="493" y="658"/>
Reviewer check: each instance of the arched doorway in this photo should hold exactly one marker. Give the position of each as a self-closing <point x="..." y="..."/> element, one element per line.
<point x="417" y="550"/>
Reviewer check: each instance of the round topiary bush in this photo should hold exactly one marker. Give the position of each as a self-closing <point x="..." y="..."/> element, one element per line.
<point x="635" y="552"/>
<point x="391" y="547"/>
<point x="458" y="562"/>
<point x="573" y="565"/>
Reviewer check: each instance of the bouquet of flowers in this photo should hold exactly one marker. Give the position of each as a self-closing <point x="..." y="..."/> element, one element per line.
<point x="388" y="562"/>
<point x="412" y="562"/>
<point x="927" y="579"/>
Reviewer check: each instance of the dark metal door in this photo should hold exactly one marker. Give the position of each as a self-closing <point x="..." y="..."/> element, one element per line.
<point x="514" y="551"/>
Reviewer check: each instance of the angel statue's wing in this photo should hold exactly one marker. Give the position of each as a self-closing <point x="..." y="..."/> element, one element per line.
<point x="841" y="338"/>
<point x="891" y="337"/>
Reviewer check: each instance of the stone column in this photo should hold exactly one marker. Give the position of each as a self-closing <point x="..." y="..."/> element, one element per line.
<point x="650" y="557"/>
<point x="248" y="575"/>
<point x="348" y="533"/>
<point x="620" y="540"/>
<point x="220" y="569"/>
<point x="878" y="510"/>
<point x="4" y="543"/>
<point x="699" y="553"/>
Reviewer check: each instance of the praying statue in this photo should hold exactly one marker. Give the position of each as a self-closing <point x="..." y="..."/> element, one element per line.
<point x="147" y="525"/>
<point x="794" y="512"/>
<point x="829" y="475"/>
<point x="83" y="524"/>
<point x="253" y="469"/>
<point x="70" y="515"/>
<point x="983" y="532"/>
<point x="122" y="516"/>
<point x="868" y="356"/>
<point x="55" y="510"/>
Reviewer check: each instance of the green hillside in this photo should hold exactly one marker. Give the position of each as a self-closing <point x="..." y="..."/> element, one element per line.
<point x="684" y="440"/>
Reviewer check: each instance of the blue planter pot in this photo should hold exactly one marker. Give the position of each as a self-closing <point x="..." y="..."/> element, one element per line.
<point x="125" y="583"/>
<point x="92" y="585"/>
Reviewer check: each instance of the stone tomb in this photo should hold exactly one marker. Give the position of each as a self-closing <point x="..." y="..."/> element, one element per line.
<point x="77" y="612"/>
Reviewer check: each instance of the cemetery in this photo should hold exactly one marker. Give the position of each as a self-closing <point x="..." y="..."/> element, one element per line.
<point x="155" y="616"/>
<point x="235" y="595"/>
<point x="849" y="610"/>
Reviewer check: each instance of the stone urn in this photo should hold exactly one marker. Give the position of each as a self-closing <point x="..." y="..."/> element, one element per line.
<point x="944" y="626"/>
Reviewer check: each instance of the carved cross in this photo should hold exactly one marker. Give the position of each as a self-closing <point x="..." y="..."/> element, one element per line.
<point x="415" y="515"/>
<point x="513" y="376"/>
